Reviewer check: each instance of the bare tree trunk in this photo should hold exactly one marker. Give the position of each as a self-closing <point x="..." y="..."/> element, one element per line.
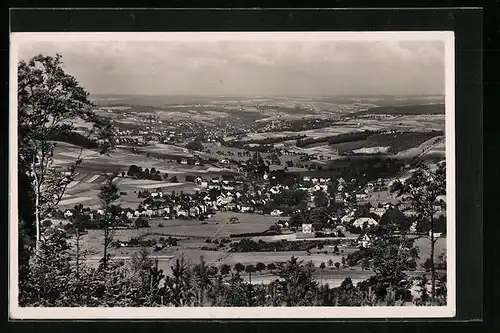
<point x="105" y="258"/>
<point x="37" y="205"/>
<point x="433" y="270"/>
<point x="77" y="253"/>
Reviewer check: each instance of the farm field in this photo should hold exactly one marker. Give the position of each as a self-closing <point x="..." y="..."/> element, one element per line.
<point x="407" y="122"/>
<point x="86" y="188"/>
<point x="425" y="248"/>
<point x="217" y="226"/>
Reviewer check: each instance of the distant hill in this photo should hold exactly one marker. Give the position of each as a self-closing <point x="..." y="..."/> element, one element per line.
<point x="404" y="110"/>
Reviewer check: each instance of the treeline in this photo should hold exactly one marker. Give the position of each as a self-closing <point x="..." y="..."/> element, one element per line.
<point x="272" y="231"/>
<point x="298" y="125"/>
<point x="405" y="110"/>
<point x="373" y="168"/>
<point x="56" y="280"/>
<point x="266" y="141"/>
<point x="137" y="172"/>
<point x="248" y="245"/>
<point x="157" y="245"/>
<point x="73" y="138"/>
<point x="403" y="140"/>
<point x="339" y="138"/>
<point x="397" y="141"/>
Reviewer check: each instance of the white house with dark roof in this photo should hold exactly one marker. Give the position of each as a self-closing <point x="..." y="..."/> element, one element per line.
<point x="68" y="213"/>
<point x="360" y="222"/>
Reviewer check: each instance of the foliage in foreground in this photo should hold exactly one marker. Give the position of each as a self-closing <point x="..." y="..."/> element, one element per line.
<point x="55" y="279"/>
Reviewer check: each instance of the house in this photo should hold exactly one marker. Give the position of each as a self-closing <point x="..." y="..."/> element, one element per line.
<point x="315" y="188"/>
<point x="204" y="184"/>
<point x="276" y="212"/>
<point x="307" y="228"/>
<point x="68" y="213"/>
<point x="194" y="211"/>
<point x="360" y="222"/>
<point x="129" y="215"/>
<point x="346" y="218"/>
<point x="340" y="229"/>
<point x="245" y="209"/>
<point x="182" y="213"/>
<point x="436" y="234"/>
<point x="378" y="211"/>
<point x="231" y="206"/>
<point x="100" y="211"/>
<point x="364" y="241"/>
<point x="274" y="190"/>
<point x="184" y="161"/>
<point x="361" y="196"/>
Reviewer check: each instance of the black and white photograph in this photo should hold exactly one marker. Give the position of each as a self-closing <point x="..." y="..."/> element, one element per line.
<point x="232" y="175"/>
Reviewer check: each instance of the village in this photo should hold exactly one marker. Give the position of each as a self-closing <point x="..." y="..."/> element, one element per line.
<point x="349" y="209"/>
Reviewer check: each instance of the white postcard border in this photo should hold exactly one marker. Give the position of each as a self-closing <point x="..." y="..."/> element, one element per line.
<point x="17" y="312"/>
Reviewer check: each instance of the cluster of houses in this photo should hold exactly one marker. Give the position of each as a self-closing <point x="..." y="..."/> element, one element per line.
<point x="227" y="193"/>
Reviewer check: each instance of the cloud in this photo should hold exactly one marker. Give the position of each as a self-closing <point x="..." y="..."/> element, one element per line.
<point x="246" y="68"/>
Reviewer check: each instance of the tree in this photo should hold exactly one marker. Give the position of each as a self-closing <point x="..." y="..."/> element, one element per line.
<point x="321" y="199"/>
<point x="297" y="284"/>
<point x="392" y="254"/>
<point x="225" y="269"/>
<point x="141" y="223"/>
<point x="422" y="284"/>
<point x="250" y="269"/>
<point x="365" y="265"/>
<point x="322" y="266"/>
<point x="195" y="145"/>
<point x="271" y="266"/>
<point x="202" y="275"/>
<point x="108" y="195"/>
<point x="422" y="190"/>
<point x="330" y="262"/>
<point x="337" y="265"/>
<point x="395" y="216"/>
<point x="239" y="267"/>
<point x="179" y="287"/>
<point x="48" y="100"/>
<point x="260" y="267"/>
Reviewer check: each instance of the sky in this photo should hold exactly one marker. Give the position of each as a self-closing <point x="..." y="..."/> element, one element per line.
<point x="250" y="68"/>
